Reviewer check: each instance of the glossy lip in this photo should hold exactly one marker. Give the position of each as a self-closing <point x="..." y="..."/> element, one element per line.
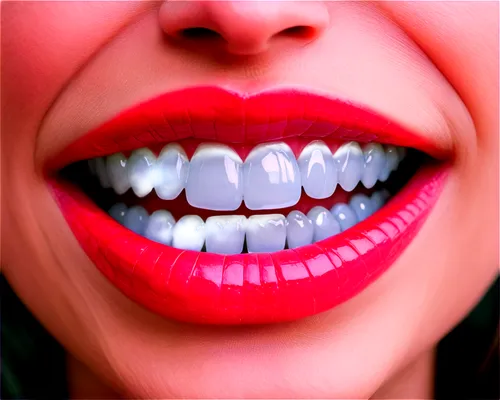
<point x="209" y="288"/>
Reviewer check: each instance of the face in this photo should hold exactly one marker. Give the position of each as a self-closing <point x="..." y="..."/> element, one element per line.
<point x="291" y="199"/>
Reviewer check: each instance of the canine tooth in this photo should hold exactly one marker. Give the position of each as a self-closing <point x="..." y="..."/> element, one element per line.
<point x="362" y="206"/>
<point x="215" y="180"/>
<point x="141" y="171"/>
<point x="318" y="170"/>
<point x="271" y="177"/>
<point x="172" y="168"/>
<point x="266" y="233"/>
<point x="325" y="225"/>
<point x="102" y="174"/>
<point x="350" y="164"/>
<point x="136" y="219"/>
<point x="160" y="226"/>
<point x="344" y="215"/>
<point x="189" y="233"/>
<point x="374" y="163"/>
<point x="299" y="230"/>
<point x="225" y="234"/>
<point x="118" y="212"/>
<point x="117" y="172"/>
<point x="391" y="164"/>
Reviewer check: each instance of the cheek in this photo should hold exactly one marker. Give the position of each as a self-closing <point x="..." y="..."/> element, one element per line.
<point x="45" y="44"/>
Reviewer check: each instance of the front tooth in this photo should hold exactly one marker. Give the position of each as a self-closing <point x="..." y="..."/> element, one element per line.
<point x="215" y="178"/>
<point x="299" y="230"/>
<point x="374" y="163"/>
<point x="323" y="222"/>
<point x="318" y="171"/>
<point x="344" y="215"/>
<point x="350" y="164"/>
<point x="141" y="171"/>
<point x="136" y="219"/>
<point x="102" y="174"/>
<point x="172" y="169"/>
<point x="118" y="212"/>
<point x="117" y="172"/>
<point x="266" y="233"/>
<point x="362" y="206"/>
<point x="271" y="177"/>
<point x="189" y="233"/>
<point x="160" y="227"/>
<point x="392" y="161"/>
<point x="225" y="234"/>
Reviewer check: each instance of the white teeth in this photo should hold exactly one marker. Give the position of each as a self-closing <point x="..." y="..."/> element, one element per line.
<point x="136" y="219"/>
<point x="266" y="233"/>
<point x="189" y="233"/>
<point x="102" y="174"/>
<point x="299" y="230"/>
<point x="118" y="212"/>
<point x="141" y="171"/>
<point x="226" y="234"/>
<point x="323" y="222"/>
<point x="379" y="198"/>
<point x="172" y="169"/>
<point x="344" y="215"/>
<point x="117" y="172"/>
<point x="350" y="163"/>
<point x="391" y="163"/>
<point x="374" y="163"/>
<point x="215" y="179"/>
<point x="271" y="177"/>
<point x="362" y="206"/>
<point x="318" y="170"/>
<point x="160" y="227"/>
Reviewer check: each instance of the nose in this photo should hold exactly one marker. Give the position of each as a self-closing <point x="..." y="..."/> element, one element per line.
<point x="245" y="27"/>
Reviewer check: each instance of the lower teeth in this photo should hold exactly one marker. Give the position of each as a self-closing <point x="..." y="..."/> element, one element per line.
<point x="235" y="234"/>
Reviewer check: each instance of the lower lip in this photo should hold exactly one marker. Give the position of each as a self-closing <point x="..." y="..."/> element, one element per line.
<point x="207" y="288"/>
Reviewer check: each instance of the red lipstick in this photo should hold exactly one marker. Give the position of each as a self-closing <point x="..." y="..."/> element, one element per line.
<point x="209" y="288"/>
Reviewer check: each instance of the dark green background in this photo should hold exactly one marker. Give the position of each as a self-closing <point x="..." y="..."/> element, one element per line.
<point x="33" y="363"/>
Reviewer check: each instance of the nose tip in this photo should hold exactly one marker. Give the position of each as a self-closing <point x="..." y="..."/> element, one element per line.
<point x="246" y="27"/>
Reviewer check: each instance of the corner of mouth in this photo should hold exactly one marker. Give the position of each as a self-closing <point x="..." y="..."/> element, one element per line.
<point x="231" y="216"/>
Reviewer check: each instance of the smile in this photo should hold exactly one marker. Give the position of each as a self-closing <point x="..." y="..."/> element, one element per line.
<point x="206" y="206"/>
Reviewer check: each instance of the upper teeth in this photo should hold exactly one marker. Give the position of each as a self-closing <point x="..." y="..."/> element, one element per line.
<point x="216" y="178"/>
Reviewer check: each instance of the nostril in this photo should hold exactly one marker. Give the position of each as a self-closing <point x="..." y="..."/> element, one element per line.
<point x="299" y="32"/>
<point x="198" y="33"/>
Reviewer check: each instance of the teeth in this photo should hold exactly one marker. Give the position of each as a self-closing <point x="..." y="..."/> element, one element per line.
<point x="325" y="225"/>
<point x="350" y="164"/>
<point x="118" y="212"/>
<point x="374" y="163"/>
<point x="172" y="169"/>
<point x="344" y="215"/>
<point x="189" y="233"/>
<point x="141" y="171"/>
<point x="379" y="198"/>
<point x="160" y="227"/>
<point x="299" y="230"/>
<point x="271" y="178"/>
<point x="318" y="170"/>
<point x="226" y="234"/>
<point x="215" y="179"/>
<point x="92" y="166"/>
<point x="391" y="163"/>
<point x="136" y="219"/>
<point x="102" y="174"/>
<point x="117" y="172"/>
<point x="362" y="206"/>
<point x="266" y="233"/>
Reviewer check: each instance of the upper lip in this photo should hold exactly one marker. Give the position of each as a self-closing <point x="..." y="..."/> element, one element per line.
<point x="216" y="114"/>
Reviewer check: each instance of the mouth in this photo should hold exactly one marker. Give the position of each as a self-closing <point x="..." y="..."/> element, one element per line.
<point x="209" y="207"/>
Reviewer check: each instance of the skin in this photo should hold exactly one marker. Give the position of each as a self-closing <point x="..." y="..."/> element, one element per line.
<point x="432" y="66"/>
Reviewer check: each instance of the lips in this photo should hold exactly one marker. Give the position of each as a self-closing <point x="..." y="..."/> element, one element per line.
<point x="247" y="288"/>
